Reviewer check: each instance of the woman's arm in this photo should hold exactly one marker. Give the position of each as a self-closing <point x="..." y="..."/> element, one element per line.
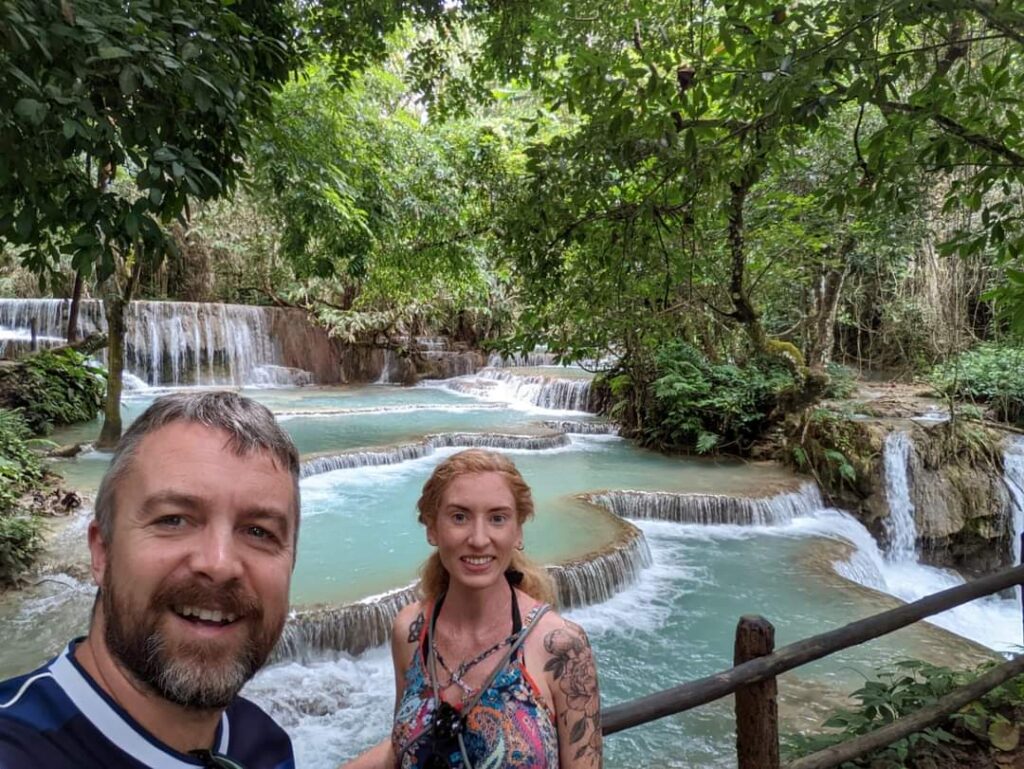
<point x="573" y="680"/>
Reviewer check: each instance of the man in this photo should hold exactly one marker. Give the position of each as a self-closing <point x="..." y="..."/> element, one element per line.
<point x="193" y="546"/>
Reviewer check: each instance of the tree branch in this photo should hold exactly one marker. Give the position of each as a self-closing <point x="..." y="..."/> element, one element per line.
<point x="990" y="12"/>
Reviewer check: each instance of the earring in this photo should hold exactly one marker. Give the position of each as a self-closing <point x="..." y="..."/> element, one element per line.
<point x="519" y="546"/>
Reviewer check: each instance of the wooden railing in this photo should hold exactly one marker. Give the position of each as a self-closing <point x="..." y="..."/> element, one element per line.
<point x="757" y="664"/>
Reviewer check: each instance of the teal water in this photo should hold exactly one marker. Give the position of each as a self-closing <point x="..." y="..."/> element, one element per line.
<point x="360" y="537"/>
<point x="357" y="541"/>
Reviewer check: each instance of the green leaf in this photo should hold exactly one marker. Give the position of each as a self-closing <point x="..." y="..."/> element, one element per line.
<point x="128" y="80"/>
<point x="31" y="110"/>
<point x="1004" y="735"/>
<point x="112" y="52"/>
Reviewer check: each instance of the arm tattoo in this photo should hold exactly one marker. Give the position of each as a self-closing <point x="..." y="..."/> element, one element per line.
<point x="416" y="628"/>
<point x="572" y="667"/>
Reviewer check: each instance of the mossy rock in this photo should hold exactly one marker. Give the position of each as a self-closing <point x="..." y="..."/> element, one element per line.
<point x="780" y="348"/>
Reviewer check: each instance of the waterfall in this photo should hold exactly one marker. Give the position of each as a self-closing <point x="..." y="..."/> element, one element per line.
<point x="172" y="343"/>
<point x="394" y="455"/>
<point x="1013" y="476"/>
<point x="711" y="509"/>
<point x="599" y="576"/>
<point x="900" y="526"/>
<point x="576" y="427"/>
<point x="539" y="356"/>
<point x="385" y="371"/>
<point x="352" y="628"/>
<point x="992" y="621"/>
<point x="355" y="627"/>
<point x="548" y="392"/>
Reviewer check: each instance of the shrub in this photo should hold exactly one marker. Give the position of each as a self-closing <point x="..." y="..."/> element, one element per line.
<point x="53" y="388"/>
<point x="987" y="725"/>
<point x="842" y="382"/>
<point x="20" y="541"/>
<point x="20" y="473"/>
<point x="991" y="374"/>
<point x="703" y="406"/>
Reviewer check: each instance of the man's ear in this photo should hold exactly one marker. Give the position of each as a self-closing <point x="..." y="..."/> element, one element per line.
<point x="98" y="551"/>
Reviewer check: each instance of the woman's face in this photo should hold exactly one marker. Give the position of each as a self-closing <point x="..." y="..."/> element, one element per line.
<point x="476" y="529"/>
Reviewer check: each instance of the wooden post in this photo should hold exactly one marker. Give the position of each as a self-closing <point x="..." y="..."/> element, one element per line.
<point x="33" y="330"/>
<point x="1020" y="588"/>
<point x="757" y="707"/>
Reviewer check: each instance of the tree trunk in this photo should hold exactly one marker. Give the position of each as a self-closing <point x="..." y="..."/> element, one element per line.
<point x="114" y="306"/>
<point x="76" y="302"/>
<point x="743" y="309"/>
<point x="822" y="331"/>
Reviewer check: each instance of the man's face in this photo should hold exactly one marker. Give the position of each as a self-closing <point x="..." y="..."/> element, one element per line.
<point x="195" y="578"/>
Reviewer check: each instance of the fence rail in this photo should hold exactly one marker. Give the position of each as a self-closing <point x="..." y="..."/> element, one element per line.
<point x="752" y="680"/>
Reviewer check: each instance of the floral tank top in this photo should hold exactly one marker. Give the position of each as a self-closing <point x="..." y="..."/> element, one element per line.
<point x="510" y="726"/>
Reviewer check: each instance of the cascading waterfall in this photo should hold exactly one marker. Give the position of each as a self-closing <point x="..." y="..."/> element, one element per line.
<point x="576" y="427"/>
<point x="900" y="526"/>
<point x="385" y="371"/>
<point x="394" y="455"/>
<point x="352" y="628"/>
<point x="711" y="509"/>
<point x="539" y="356"/>
<point x="597" y="577"/>
<point x="991" y="621"/>
<point x="1013" y="476"/>
<point x="356" y="627"/>
<point x="548" y="392"/>
<point x="172" y="343"/>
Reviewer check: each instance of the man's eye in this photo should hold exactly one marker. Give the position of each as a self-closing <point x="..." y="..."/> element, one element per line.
<point x="171" y="521"/>
<point x="258" y="532"/>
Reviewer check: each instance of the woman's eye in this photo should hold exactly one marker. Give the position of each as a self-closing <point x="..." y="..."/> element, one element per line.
<point x="499" y="518"/>
<point x="459" y="517"/>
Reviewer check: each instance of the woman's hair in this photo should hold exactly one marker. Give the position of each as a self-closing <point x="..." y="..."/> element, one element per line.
<point x="433" y="576"/>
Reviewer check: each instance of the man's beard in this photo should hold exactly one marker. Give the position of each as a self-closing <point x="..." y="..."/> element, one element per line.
<point x="196" y="675"/>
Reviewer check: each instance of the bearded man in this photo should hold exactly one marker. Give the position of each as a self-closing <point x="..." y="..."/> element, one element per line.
<point x="193" y="545"/>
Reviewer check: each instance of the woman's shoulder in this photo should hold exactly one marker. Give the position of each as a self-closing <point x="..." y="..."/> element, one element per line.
<point x="556" y="635"/>
<point x="408" y="623"/>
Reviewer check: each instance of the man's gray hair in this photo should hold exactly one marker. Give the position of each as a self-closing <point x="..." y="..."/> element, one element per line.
<point x="250" y="426"/>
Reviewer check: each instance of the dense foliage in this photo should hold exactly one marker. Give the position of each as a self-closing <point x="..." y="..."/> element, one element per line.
<point x="989" y="726"/>
<point x="698" y="405"/>
<point x="52" y="388"/>
<point x="832" y="179"/>
<point x="20" y="473"/>
<point x="991" y="375"/>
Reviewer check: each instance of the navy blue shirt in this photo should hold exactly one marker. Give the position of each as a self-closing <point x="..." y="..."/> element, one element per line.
<point x="56" y="717"/>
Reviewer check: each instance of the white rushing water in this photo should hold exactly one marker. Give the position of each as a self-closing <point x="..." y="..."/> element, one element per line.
<point x="1013" y="475"/>
<point x="1013" y="469"/>
<point x="542" y="392"/>
<point x="993" y="622"/>
<point x="168" y="343"/>
<point x="900" y="525"/>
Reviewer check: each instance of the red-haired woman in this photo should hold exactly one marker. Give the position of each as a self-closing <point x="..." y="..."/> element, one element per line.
<point x="487" y="674"/>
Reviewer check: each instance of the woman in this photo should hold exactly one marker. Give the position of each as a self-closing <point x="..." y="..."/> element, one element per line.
<point x="486" y="674"/>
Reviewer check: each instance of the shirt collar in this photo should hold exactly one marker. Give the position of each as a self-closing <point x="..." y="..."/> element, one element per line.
<point x="115" y="723"/>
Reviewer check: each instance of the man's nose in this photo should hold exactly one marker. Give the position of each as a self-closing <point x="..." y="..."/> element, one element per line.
<point x="216" y="554"/>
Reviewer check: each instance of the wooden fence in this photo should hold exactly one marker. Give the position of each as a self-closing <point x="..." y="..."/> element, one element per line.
<point x="757" y="664"/>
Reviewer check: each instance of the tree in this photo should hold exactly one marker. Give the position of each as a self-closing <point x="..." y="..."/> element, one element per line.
<point x="113" y="117"/>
